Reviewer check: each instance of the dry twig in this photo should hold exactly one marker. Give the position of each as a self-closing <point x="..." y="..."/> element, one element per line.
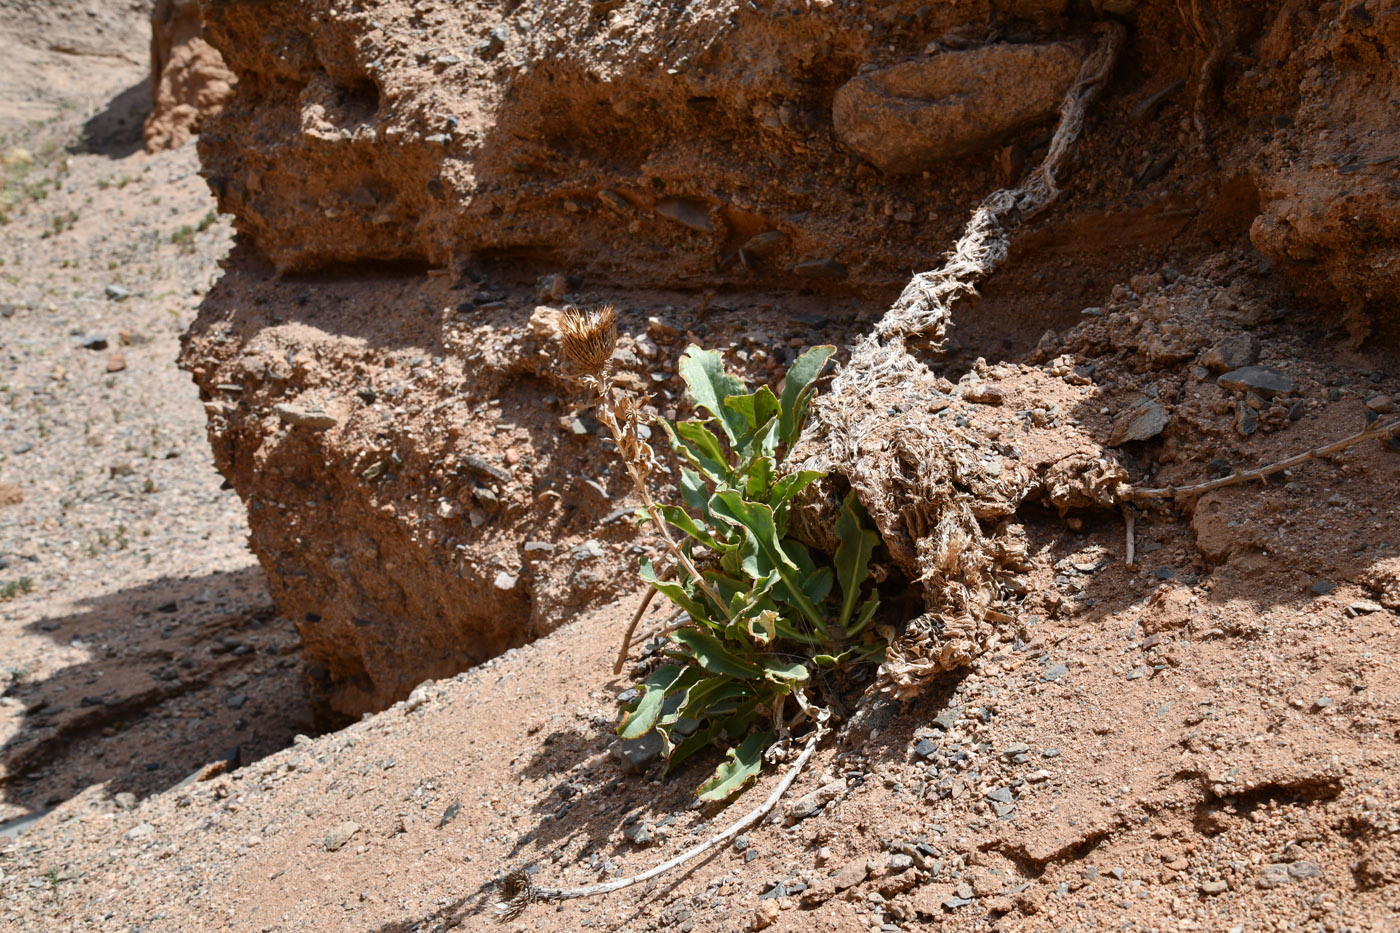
<point x="632" y="627"/>
<point x="518" y="892"/>
<point x="1376" y="431"/>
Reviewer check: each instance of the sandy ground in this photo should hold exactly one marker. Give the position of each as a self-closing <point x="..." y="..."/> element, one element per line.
<point x="1186" y="744"/>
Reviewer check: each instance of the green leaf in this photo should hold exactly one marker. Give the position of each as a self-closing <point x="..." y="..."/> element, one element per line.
<point x="709" y="383"/>
<point x="677" y="517"/>
<point x="857" y="543"/>
<point x="698" y="445"/>
<point x="744" y="605"/>
<point x="743" y="763"/>
<point x="673" y="591"/>
<point x="757" y="409"/>
<point x="790" y="485"/>
<point x="763" y="552"/>
<point x="713" y="656"/>
<point x="862" y="652"/>
<point x="759" y="478"/>
<point x="695" y="492"/>
<point x="783" y="671"/>
<point x="639" y="722"/>
<point x="800" y="376"/>
<point x="697" y="741"/>
<point x="867" y="612"/>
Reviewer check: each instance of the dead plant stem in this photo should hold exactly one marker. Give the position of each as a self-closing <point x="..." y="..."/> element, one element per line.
<point x="1376" y="431"/>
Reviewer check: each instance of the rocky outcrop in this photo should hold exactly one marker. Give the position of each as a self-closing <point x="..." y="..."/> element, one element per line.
<point x="189" y="81"/>
<point x="419" y="187"/>
<point x="1330" y="176"/>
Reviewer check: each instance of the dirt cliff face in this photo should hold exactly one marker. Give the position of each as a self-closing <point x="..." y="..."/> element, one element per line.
<point x="189" y="81"/>
<point x="419" y="188"/>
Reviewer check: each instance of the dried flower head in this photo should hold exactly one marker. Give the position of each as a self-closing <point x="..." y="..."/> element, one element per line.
<point x="589" y="338"/>
<point x="515" y="892"/>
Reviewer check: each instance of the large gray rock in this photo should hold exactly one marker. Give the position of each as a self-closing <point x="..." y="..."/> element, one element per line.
<point x="910" y="116"/>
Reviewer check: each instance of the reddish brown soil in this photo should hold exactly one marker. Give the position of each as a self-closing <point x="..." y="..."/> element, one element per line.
<point x="1205" y="740"/>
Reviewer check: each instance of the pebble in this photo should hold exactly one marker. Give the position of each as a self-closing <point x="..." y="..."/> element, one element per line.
<point x="116" y="363"/>
<point x="1323" y="587"/>
<point x="687" y="213"/>
<point x="237" y="701"/>
<point x="639" y="834"/>
<point x="1055" y="673"/>
<point x="820" y="269"/>
<point x="765" y="914"/>
<point x="125" y="800"/>
<point x="1265" y="380"/>
<point x="93" y="342"/>
<point x="1381" y="404"/>
<point x="1273" y="876"/>
<point x="116" y="292"/>
<point x="494" y="42"/>
<point x="1140" y="423"/>
<point x="299" y="417"/>
<point x="852" y="874"/>
<point x="339" y="835"/>
<point x="1214" y="887"/>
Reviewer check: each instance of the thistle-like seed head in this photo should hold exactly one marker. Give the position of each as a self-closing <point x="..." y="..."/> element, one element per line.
<point x="589" y="339"/>
<point x="514" y="894"/>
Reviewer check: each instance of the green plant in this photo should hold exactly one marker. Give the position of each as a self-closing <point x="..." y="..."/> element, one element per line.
<point x="15" y="588"/>
<point x="763" y="613"/>
<point x="184" y="238"/>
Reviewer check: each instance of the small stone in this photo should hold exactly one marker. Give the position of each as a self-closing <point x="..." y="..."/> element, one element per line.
<point x="1265" y="380"/>
<point x="1363" y="607"/>
<point x="1322" y="702"/>
<point x="1165" y="573"/>
<point x="1055" y="673"/>
<point x="925" y="748"/>
<point x="1273" y="876"/>
<point x="494" y="42"/>
<point x="588" y="550"/>
<point x="687" y="213"/>
<point x="116" y="363"/>
<point x="140" y="831"/>
<point x="741" y="843"/>
<point x="900" y="862"/>
<point x="984" y="394"/>
<point x="299" y="417"/>
<point x="339" y="835"/>
<point x="93" y="342"/>
<point x="125" y="800"/>
<point x="1214" y="887"/>
<point x="237" y="701"/>
<point x="505" y="581"/>
<point x="852" y="874"/>
<point x="450" y="813"/>
<point x="765" y="914"/>
<point x="1303" y="870"/>
<point x="638" y="754"/>
<point x="820" y="269"/>
<point x="1381" y="404"/>
<point x="116" y="292"/>
<point x="639" y="834"/>
<point x="1323" y="587"/>
<point x="1000" y="795"/>
<point x="1140" y="423"/>
<point x="1232" y="353"/>
<point x="946" y="718"/>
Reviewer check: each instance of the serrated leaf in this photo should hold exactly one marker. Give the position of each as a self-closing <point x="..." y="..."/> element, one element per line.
<point x="800" y="376"/>
<point x="762" y="551"/>
<point x="639" y="722"/>
<point x="714" y="656"/>
<point x="790" y="485"/>
<point x="674" y="591"/>
<point x="759" y="478"/>
<point x="743" y="763"/>
<point x="709" y="384"/>
<point x="857" y="541"/>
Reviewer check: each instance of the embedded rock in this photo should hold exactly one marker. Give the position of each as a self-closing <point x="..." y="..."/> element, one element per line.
<point x="911" y="116"/>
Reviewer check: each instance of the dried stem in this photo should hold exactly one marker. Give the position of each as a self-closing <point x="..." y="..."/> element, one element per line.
<point x="1130" y="518"/>
<point x="518" y="892"/>
<point x="1376" y="431"/>
<point x="605" y="412"/>
<point x="632" y="627"/>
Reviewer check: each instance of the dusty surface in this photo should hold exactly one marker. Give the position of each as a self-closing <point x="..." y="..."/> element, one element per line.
<point x="189" y="81"/>
<point x="1205" y="740"/>
<point x="131" y="613"/>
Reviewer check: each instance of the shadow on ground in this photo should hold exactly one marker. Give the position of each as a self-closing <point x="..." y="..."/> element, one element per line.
<point x="167" y="678"/>
<point x="119" y="129"/>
